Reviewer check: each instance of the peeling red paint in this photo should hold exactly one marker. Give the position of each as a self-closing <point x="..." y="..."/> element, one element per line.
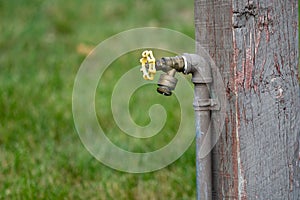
<point x="227" y="130"/>
<point x="267" y="33"/>
<point x="235" y="185"/>
<point x="235" y="154"/>
<point x="243" y="77"/>
<point x="248" y="67"/>
<point x="262" y="70"/>
<point x="236" y="79"/>
<point x="264" y="24"/>
<point x="244" y="193"/>
<point x="239" y="77"/>
<point x="257" y="39"/>
<point x="276" y="64"/>
<point x="268" y="21"/>
<point x="257" y="42"/>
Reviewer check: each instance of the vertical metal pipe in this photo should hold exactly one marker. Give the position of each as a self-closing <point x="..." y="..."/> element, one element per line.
<point x="202" y="121"/>
<point x="201" y="77"/>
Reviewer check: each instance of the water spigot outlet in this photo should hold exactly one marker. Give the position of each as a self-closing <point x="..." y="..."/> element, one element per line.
<point x="167" y="83"/>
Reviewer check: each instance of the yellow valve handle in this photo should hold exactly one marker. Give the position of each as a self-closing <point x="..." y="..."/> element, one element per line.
<point x="148" y="65"/>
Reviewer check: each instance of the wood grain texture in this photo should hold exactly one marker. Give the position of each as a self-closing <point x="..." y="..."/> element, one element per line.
<point x="255" y="46"/>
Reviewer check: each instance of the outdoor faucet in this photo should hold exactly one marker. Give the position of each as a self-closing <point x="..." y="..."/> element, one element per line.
<point x="204" y="102"/>
<point x="167" y="82"/>
<point x="185" y="63"/>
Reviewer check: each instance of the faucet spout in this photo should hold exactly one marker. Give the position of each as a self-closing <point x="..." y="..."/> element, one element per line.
<point x="167" y="83"/>
<point x="170" y="65"/>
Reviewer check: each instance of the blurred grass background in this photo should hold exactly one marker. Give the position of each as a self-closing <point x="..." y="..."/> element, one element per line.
<point x="42" y="44"/>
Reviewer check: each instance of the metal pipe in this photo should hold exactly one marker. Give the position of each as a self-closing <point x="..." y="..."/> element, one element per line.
<point x="201" y="77"/>
<point x="202" y="121"/>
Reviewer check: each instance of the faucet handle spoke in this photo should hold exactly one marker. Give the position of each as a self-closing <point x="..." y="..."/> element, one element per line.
<point x="148" y="65"/>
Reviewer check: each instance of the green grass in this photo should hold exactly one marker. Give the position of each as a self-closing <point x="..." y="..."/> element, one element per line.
<point x="41" y="155"/>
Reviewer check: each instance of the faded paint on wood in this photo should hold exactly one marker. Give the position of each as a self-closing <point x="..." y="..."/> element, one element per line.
<point x="255" y="46"/>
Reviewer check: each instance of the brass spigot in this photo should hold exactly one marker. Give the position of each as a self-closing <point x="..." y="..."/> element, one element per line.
<point x="170" y="65"/>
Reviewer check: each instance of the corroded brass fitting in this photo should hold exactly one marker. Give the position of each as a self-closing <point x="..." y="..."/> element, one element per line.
<point x="186" y="63"/>
<point x="167" y="83"/>
<point x="166" y="63"/>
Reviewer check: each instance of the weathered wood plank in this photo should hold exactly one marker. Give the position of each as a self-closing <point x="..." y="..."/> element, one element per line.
<point x="255" y="46"/>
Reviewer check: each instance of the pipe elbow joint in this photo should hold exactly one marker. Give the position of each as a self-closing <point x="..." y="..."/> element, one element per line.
<point x="199" y="67"/>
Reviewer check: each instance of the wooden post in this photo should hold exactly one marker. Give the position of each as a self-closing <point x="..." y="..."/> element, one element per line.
<point x="255" y="46"/>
